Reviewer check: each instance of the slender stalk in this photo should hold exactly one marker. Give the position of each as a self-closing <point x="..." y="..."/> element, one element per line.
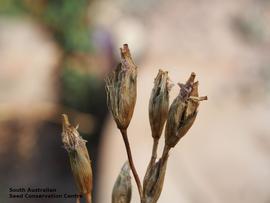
<point x="151" y="163"/>
<point x="154" y="152"/>
<point x="165" y="153"/>
<point x="88" y="198"/>
<point x="131" y="163"/>
<point x="78" y="200"/>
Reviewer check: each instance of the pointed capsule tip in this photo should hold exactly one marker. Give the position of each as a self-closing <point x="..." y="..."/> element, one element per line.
<point x="191" y="78"/>
<point x="124" y="50"/>
<point x="65" y="120"/>
<point x="126" y="167"/>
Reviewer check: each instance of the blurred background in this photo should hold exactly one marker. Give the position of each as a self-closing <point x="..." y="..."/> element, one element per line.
<point x="54" y="56"/>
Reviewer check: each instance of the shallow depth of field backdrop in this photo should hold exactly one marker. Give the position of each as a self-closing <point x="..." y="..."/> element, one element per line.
<point x="55" y="54"/>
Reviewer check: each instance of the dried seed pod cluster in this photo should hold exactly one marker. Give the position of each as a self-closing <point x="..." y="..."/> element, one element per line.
<point x="121" y="88"/>
<point x="179" y="117"/>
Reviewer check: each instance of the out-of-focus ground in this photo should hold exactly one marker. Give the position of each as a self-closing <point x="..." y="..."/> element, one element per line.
<point x="48" y="67"/>
<point x="223" y="158"/>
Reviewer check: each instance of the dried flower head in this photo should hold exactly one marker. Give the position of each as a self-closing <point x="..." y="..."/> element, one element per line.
<point x="183" y="111"/>
<point x="121" y="88"/>
<point x="159" y="103"/>
<point x="78" y="156"/>
<point x="122" y="189"/>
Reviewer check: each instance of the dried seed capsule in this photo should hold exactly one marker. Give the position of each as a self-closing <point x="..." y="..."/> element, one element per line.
<point x="122" y="188"/>
<point x="159" y="103"/>
<point x="153" y="181"/>
<point x="78" y="156"/>
<point x="176" y="111"/>
<point x="191" y="110"/>
<point x="183" y="112"/>
<point x="121" y="88"/>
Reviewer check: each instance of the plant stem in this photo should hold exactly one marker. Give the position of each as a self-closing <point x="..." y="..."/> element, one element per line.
<point x="78" y="200"/>
<point x="131" y="163"/>
<point x="154" y="152"/>
<point x="88" y="198"/>
<point x="151" y="164"/>
<point x="165" y="153"/>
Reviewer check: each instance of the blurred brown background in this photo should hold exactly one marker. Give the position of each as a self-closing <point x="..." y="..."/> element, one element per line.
<point x="53" y="59"/>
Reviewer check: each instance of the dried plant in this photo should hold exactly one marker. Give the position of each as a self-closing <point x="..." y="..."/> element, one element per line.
<point x="121" y="99"/>
<point x="79" y="159"/>
<point x="121" y="88"/>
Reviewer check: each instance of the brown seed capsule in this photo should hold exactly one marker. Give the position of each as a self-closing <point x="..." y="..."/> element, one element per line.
<point x="121" y="88"/>
<point x="183" y="112"/>
<point x="153" y="181"/>
<point x="159" y="103"/>
<point x="78" y="155"/>
<point x="122" y="189"/>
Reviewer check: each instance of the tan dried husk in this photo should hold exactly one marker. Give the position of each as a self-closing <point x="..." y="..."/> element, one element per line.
<point x="182" y="112"/>
<point x="154" y="180"/>
<point x="176" y="111"/>
<point x="192" y="105"/>
<point x="78" y="155"/>
<point x="159" y="103"/>
<point x="121" y="88"/>
<point x="122" y="189"/>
